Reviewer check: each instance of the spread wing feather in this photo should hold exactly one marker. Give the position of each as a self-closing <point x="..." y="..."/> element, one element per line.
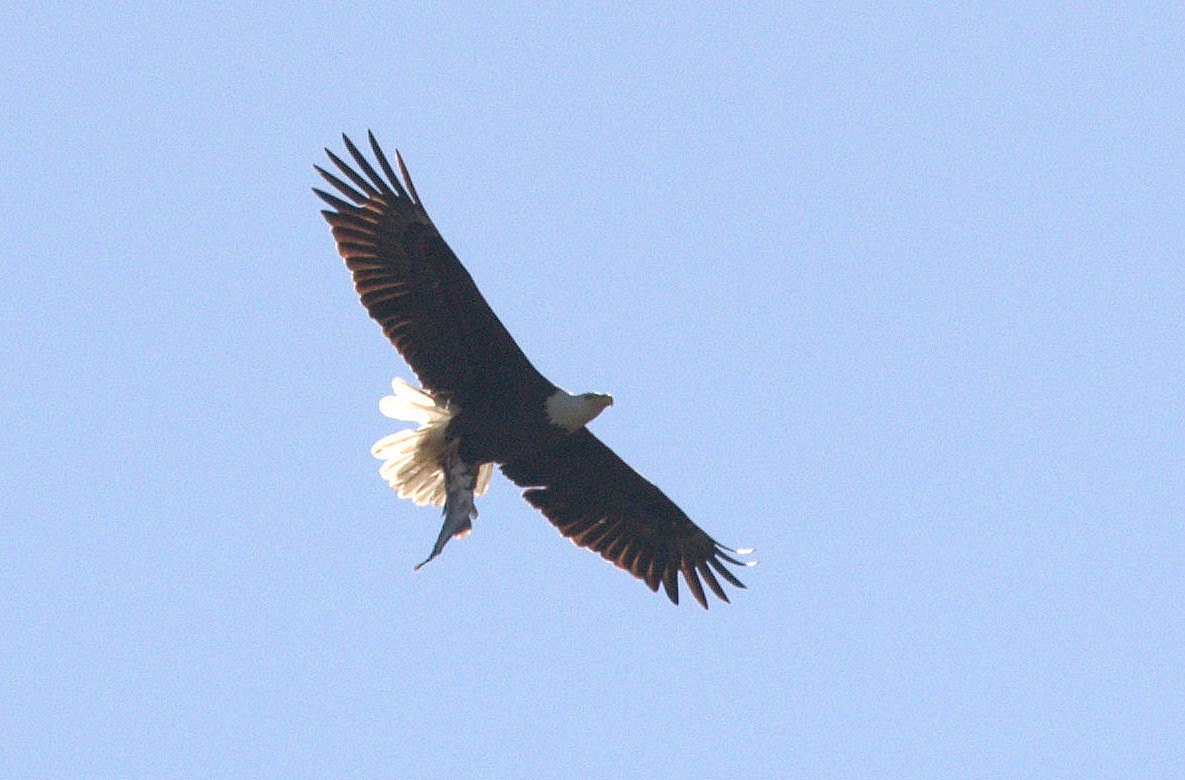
<point x="595" y="499"/>
<point x="412" y="284"/>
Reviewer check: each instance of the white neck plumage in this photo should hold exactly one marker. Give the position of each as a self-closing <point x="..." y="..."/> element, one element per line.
<point x="571" y="412"/>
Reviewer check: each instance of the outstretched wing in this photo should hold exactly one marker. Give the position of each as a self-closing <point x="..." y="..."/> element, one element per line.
<point x="595" y="499"/>
<point x="413" y="285"/>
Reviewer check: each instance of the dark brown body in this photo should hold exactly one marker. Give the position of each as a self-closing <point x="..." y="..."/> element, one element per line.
<point x="414" y="286"/>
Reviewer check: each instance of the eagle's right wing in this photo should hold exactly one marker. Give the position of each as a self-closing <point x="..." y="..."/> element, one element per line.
<point x="413" y="285"/>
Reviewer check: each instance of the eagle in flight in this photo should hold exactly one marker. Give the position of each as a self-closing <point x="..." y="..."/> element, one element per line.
<point x="482" y="402"/>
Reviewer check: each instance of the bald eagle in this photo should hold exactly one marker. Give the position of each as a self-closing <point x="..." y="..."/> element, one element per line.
<point x="482" y="402"/>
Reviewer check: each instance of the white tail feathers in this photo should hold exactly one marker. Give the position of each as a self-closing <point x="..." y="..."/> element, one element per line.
<point x="412" y="458"/>
<point x="410" y="404"/>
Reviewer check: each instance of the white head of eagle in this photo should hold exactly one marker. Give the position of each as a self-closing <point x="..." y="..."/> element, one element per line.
<point x="483" y="403"/>
<point x="573" y="412"/>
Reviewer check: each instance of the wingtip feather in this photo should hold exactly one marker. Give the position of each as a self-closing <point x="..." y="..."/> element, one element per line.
<point x="411" y="188"/>
<point x="693" y="584"/>
<point x="713" y="583"/>
<point x="385" y="164"/>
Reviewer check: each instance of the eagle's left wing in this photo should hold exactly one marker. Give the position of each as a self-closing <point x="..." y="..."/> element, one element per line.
<point x="595" y="499"/>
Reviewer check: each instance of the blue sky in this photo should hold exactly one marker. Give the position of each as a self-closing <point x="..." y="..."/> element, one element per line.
<point x="892" y="294"/>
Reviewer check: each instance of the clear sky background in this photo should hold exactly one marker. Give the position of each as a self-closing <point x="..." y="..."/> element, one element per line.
<point x="892" y="293"/>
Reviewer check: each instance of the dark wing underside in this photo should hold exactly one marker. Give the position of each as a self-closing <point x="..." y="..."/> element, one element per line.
<point x="413" y="285"/>
<point x="595" y="499"/>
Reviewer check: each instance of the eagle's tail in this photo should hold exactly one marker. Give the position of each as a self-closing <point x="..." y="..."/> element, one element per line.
<point x="413" y="458"/>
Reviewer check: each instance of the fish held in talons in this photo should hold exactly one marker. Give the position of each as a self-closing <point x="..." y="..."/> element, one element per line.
<point x="459" y="509"/>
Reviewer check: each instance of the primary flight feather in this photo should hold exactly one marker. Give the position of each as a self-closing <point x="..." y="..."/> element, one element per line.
<point x="482" y="403"/>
